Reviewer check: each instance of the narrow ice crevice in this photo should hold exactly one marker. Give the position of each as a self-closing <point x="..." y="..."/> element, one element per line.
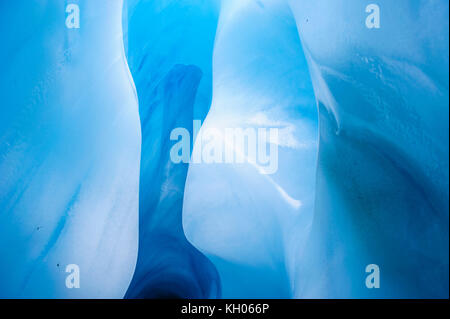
<point x="169" y="45"/>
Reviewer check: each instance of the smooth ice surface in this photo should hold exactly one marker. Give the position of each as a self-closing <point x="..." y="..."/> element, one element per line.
<point x="69" y="152"/>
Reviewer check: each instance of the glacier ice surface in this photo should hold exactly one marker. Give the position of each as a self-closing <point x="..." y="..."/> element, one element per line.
<point x="362" y="172"/>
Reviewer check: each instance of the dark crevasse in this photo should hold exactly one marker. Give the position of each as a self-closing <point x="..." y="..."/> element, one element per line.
<point x="168" y="266"/>
<point x="170" y="60"/>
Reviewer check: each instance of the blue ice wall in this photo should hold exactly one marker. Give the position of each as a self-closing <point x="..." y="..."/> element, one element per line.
<point x="170" y="45"/>
<point x="382" y="182"/>
<point x="69" y="152"/>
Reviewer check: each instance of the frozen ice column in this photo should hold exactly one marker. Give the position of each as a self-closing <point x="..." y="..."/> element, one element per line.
<point x="248" y="214"/>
